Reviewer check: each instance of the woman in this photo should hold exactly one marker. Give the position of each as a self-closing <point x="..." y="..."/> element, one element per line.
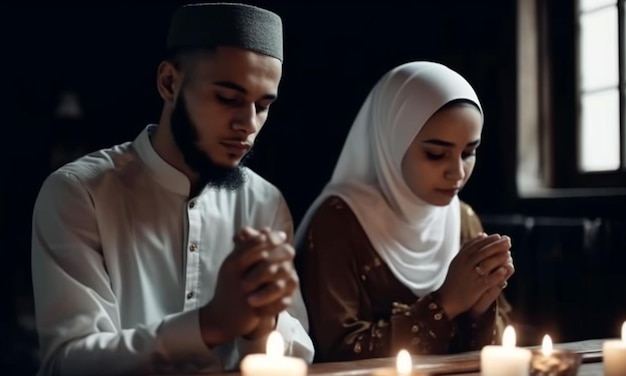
<point x="379" y="251"/>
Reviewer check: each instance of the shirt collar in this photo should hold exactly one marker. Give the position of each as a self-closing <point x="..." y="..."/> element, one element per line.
<point x="164" y="173"/>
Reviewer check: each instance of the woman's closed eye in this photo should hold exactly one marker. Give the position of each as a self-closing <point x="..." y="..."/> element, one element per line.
<point x="439" y="156"/>
<point x="435" y="156"/>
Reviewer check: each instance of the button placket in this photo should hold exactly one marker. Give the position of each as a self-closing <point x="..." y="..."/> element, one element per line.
<point x="192" y="288"/>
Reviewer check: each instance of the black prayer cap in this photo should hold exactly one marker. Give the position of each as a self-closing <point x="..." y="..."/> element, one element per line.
<point x="227" y="24"/>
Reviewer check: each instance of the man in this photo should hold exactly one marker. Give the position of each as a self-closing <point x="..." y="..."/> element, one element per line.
<point x="166" y="254"/>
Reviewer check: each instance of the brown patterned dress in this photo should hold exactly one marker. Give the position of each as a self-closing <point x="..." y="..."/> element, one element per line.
<point x="357" y="308"/>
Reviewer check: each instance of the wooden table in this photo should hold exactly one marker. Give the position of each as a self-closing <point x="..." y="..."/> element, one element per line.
<point x="465" y="364"/>
<point x="588" y="369"/>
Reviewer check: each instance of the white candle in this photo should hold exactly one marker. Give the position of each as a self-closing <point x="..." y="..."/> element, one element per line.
<point x="403" y="363"/>
<point x="274" y="362"/>
<point x="614" y="354"/>
<point x="404" y="366"/>
<point x="505" y="360"/>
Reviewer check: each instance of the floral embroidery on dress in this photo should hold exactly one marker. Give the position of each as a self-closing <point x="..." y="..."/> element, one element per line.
<point x="400" y="309"/>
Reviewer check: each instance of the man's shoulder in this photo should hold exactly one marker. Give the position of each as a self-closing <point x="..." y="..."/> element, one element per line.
<point x="254" y="204"/>
<point x="257" y="186"/>
<point x="92" y="167"/>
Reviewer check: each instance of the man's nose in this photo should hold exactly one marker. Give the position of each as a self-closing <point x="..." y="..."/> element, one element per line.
<point x="246" y="120"/>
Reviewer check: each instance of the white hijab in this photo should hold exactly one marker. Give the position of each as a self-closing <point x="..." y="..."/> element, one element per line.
<point x="416" y="240"/>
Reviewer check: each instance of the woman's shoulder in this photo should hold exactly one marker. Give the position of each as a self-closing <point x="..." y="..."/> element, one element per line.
<point x="335" y="228"/>
<point x="466" y="209"/>
<point x="334" y="218"/>
<point x="333" y="211"/>
<point x="470" y="222"/>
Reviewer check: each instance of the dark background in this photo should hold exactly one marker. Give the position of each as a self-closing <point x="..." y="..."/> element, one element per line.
<point x="569" y="252"/>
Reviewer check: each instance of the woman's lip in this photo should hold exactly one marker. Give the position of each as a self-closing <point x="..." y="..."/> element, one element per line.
<point x="450" y="192"/>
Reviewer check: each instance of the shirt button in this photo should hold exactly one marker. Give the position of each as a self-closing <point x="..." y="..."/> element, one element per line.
<point x="193" y="247"/>
<point x="192" y="204"/>
<point x="190" y="295"/>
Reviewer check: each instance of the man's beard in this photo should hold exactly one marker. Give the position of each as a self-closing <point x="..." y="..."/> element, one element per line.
<point x="210" y="174"/>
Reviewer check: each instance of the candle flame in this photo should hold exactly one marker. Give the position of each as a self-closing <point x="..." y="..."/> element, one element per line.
<point x="275" y="346"/>
<point x="508" y="337"/>
<point x="403" y="363"/>
<point x="546" y="345"/>
<point x="624" y="332"/>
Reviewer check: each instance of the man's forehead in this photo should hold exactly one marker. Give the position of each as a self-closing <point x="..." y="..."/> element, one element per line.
<point x="231" y="63"/>
<point x="258" y="80"/>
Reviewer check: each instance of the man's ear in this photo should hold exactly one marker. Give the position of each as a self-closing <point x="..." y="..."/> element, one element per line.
<point x="167" y="78"/>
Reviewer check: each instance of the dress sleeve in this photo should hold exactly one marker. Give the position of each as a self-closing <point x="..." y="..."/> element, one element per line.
<point x="474" y="334"/>
<point x="423" y="327"/>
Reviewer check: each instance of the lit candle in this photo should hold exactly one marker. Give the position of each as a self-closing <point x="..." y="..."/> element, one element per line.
<point x="551" y="362"/>
<point x="404" y="367"/>
<point x="614" y="354"/>
<point x="403" y="363"/>
<point x="505" y="360"/>
<point x="274" y="362"/>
